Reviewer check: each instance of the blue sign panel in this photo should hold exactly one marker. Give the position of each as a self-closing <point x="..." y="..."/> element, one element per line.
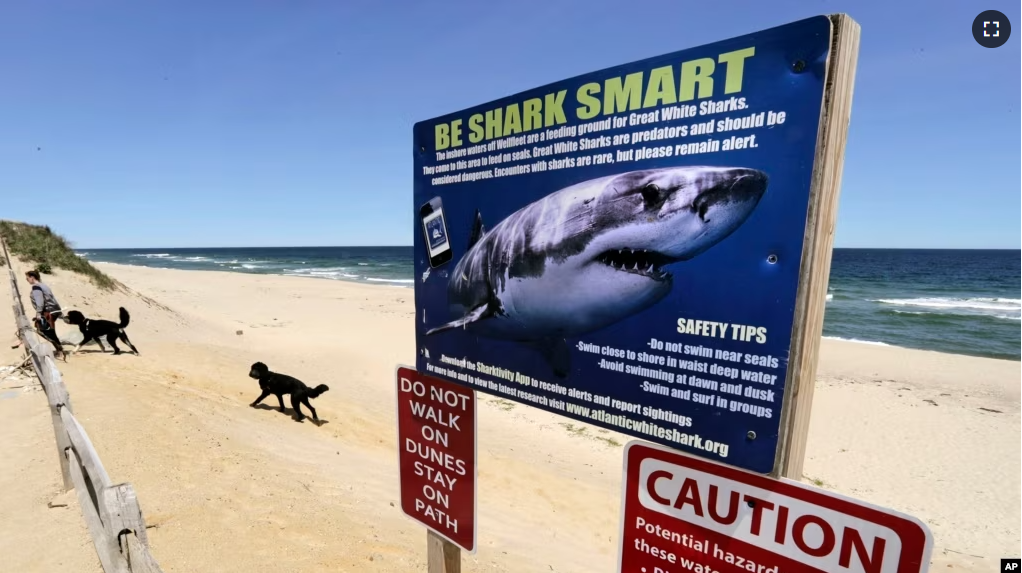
<point x="623" y="247"/>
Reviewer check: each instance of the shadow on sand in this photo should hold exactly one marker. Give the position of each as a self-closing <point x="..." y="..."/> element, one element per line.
<point x="290" y="412"/>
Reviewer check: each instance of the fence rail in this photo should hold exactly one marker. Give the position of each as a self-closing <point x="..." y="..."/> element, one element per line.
<point x="111" y="511"/>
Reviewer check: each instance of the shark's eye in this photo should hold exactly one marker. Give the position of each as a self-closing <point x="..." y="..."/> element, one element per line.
<point x="651" y="193"/>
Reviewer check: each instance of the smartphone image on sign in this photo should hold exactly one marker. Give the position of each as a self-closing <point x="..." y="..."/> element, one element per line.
<point x="435" y="228"/>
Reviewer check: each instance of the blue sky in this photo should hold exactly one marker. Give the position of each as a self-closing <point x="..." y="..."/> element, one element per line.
<point x="175" y="124"/>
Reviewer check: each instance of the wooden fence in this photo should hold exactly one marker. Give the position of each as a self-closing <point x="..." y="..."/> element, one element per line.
<point x="111" y="511"/>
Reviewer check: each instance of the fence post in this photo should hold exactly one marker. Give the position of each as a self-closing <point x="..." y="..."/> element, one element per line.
<point x="123" y="512"/>
<point x="106" y="546"/>
<point x="127" y="525"/>
<point x="57" y="398"/>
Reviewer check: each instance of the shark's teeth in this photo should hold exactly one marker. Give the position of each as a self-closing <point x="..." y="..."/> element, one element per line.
<point x="636" y="261"/>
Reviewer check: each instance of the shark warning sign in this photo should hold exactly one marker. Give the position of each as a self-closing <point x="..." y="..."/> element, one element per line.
<point x="625" y="247"/>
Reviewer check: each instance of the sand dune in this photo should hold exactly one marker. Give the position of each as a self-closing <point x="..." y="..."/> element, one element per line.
<point x="231" y="488"/>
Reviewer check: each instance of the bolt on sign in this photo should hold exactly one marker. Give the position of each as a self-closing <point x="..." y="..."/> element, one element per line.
<point x="684" y="514"/>
<point x="436" y="429"/>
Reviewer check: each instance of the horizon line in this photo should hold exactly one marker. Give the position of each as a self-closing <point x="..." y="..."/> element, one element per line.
<point x="412" y="246"/>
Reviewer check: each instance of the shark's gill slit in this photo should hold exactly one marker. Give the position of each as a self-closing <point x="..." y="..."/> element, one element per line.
<point x="703" y="206"/>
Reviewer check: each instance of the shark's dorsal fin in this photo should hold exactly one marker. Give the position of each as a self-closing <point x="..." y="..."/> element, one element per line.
<point x="478" y="313"/>
<point x="478" y="230"/>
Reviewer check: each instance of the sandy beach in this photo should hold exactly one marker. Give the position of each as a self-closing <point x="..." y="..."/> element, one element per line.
<point x="230" y="488"/>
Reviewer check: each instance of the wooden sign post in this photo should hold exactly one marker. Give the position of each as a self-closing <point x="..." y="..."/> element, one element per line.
<point x="442" y="556"/>
<point x="817" y="247"/>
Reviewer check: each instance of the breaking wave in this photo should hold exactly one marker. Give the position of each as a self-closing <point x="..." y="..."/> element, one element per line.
<point x="1005" y="308"/>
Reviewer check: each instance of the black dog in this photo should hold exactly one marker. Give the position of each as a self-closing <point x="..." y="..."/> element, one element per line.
<point x="93" y="329"/>
<point x="280" y="384"/>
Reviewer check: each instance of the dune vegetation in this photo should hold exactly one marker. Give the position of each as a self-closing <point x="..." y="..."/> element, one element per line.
<point x="45" y="250"/>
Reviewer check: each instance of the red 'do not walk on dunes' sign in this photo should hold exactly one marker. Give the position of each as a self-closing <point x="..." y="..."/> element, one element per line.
<point x="682" y="514"/>
<point x="436" y="431"/>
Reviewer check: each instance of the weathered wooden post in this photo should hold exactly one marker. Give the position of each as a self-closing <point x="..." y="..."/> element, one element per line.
<point x="442" y="556"/>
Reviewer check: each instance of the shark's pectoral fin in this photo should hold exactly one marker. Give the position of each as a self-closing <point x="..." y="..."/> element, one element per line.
<point x="478" y="313"/>
<point x="557" y="355"/>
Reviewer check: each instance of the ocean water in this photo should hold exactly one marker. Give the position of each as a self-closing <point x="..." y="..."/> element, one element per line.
<point x="380" y="265"/>
<point x="958" y="301"/>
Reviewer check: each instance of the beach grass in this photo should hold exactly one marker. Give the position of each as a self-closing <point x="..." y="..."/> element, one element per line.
<point x="45" y="250"/>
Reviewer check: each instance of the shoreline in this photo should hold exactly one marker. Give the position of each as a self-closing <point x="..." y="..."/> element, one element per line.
<point x="373" y="282"/>
<point x="383" y="284"/>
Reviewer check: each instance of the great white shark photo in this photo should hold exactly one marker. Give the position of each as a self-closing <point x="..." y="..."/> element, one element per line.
<point x="592" y="254"/>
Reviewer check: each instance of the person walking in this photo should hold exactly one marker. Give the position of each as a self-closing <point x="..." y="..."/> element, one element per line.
<point x="47" y="310"/>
